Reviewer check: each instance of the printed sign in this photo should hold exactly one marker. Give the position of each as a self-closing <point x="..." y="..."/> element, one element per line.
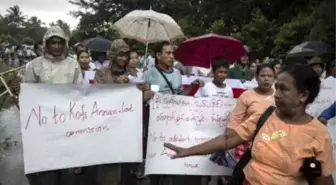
<point x="185" y="121"/>
<point x="65" y="126"/>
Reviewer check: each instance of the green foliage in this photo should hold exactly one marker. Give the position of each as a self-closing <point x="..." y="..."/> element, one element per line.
<point x="17" y="28"/>
<point x="267" y="26"/>
<point x="292" y="33"/>
<point x="28" y="41"/>
<point x="217" y="27"/>
<point x="259" y="33"/>
<point x="9" y="39"/>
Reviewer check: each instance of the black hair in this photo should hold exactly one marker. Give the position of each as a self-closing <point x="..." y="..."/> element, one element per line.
<point x="134" y="51"/>
<point x="275" y="62"/>
<point x="263" y="66"/>
<point x="252" y="62"/>
<point x="332" y="63"/>
<point x="36" y="45"/>
<point x="81" y="45"/>
<point x="159" y="48"/>
<point x="80" y="52"/>
<point x="220" y="62"/>
<point x="306" y="79"/>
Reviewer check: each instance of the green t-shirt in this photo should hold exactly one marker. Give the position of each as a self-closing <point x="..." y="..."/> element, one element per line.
<point x="240" y="73"/>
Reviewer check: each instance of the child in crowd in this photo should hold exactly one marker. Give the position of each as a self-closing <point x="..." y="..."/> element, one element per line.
<point x="217" y="87"/>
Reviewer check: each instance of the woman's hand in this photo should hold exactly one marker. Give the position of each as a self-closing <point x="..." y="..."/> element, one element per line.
<point x="122" y="79"/>
<point x="179" y="151"/>
<point x="223" y="142"/>
<point x="148" y="95"/>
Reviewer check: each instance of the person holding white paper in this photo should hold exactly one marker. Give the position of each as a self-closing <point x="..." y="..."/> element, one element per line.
<point x="216" y="88"/>
<point x="55" y="66"/>
<point x="116" y="73"/>
<point x="164" y="78"/>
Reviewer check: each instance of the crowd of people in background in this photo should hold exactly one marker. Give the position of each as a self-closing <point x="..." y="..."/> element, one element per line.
<point x="295" y="87"/>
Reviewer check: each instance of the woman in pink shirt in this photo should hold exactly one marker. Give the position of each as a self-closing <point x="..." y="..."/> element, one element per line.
<point x="287" y="138"/>
<point x="253" y="101"/>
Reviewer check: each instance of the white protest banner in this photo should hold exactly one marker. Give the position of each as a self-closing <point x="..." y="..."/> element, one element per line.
<point x="326" y="97"/>
<point x="65" y="126"/>
<point x="233" y="83"/>
<point x="185" y="121"/>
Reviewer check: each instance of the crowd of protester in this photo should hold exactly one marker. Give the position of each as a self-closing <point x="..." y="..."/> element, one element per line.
<point x="290" y="88"/>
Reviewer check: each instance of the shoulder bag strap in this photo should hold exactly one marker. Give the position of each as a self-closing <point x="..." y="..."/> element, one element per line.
<point x="263" y="118"/>
<point x="165" y="78"/>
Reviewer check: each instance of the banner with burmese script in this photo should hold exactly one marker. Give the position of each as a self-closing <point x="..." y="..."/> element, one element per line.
<point x="66" y="126"/>
<point x="185" y="121"/>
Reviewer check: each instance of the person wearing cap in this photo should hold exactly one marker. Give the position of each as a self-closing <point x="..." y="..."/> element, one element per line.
<point x="318" y="65"/>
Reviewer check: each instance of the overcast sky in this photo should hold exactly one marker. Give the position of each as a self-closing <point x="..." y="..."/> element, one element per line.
<point x="46" y="10"/>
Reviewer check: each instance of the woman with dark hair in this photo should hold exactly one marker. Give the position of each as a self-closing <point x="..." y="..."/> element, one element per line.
<point x="276" y="67"/>
<point x="84" y="61"/>
<point x="81" y="47"/>
<point x="251" y="102"/>
<point x="287" y="138"/>
<point x="132" y="65"/>
<point x="253" y="68"/>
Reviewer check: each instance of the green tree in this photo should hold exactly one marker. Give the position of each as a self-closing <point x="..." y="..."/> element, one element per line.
<point x="15" y="16"/>
<point x="35" y="29"/>
<point x="28" y="41"/>
<point x="268" y="26"/>
<point x="259" y="34"/>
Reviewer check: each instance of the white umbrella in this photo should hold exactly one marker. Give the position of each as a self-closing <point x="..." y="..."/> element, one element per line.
<point x="148" y="26"/>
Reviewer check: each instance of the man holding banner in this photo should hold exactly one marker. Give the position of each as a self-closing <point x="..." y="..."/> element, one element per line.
<point x="55" y="66"/>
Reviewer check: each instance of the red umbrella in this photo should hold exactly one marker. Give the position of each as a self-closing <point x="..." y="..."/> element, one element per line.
<point x="201" y="51"/>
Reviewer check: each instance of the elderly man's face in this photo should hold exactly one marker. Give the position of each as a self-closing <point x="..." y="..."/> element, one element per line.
<point x="55" y="46"/>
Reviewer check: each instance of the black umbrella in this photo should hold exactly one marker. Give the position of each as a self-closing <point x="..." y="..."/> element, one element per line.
<point x="311" y="49"/>
<point x="97" y="44"/>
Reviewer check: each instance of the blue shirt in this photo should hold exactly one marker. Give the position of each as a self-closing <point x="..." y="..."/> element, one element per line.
<point x="153" y="77"/>
<point x="329" y="112"/>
